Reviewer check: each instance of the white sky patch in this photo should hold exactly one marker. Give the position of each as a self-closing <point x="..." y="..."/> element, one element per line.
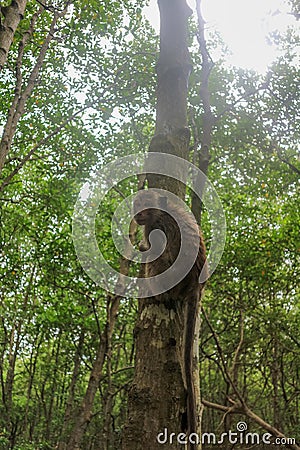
<point x="243" y="25"/>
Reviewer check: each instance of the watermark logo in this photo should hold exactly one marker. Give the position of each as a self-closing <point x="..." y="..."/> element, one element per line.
<point x="238" y="436"/>
<point x="92" y="194"/>
<point x="241" y="426"/>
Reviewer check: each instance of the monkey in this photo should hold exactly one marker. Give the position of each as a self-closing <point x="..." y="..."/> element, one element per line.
<point x="149" y="210"/>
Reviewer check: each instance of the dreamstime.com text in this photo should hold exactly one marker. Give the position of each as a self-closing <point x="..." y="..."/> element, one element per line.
<point x="240" y="436"/>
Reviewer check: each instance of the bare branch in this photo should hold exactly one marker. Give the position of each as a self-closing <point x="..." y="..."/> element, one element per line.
<point x="286" y="161"/>
<point x="208" y="119"/>
<point x="226" y="371"/>
<point x="240" y="406"/>
<point x="235" y="363"/>
<point x="240" y="409"/>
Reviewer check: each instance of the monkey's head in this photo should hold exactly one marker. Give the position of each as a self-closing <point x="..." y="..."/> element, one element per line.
<point x="147" y="206"/>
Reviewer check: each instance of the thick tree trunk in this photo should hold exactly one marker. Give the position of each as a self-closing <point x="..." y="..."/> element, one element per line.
<point x="157" y="398"/>
<point x="173" y="68"/>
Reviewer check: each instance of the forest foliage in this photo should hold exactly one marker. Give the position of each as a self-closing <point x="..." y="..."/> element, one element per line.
<point x="78" y="91"/>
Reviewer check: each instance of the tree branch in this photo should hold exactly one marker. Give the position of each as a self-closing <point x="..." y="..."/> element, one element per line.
<point x="203" y="156"/>
<point x="263" y="85"/>
<point x="240" y="406"/>
<point x="18" y="105"/>
<point x="243" y="409"/>
<point x="38" y="145"/>
<point x="226" y="371"/>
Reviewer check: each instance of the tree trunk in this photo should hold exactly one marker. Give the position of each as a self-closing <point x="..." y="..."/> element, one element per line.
<point x="68" y="418"/>
<point x="208" y="120"/>
<point x="85" y="410"/>
<point x="157" y="397"/>
<point x="173" y="68"/>
<point x="12" y="16"/>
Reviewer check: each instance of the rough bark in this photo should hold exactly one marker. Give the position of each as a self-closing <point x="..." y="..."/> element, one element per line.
<point x="157" y="397"/>
<point x="173" y="68"/>
<point x="13" y="14"/>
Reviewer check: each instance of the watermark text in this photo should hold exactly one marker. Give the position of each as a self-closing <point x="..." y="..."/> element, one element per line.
<point x="239" y="436"/>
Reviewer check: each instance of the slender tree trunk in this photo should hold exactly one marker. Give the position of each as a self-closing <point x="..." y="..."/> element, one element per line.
<point x="32" y="373"/>
<point x="85" y="410"/>
<point x="14" y="344"/>
<point x="4" y="343"/>
<point x="202" y="144"/>
<point x="68" y="418"/>
<point x="275" y="370"/>
<point x="15" y="341"/>
<point x="208" y="120"/>
<point x="12" y="16"/>
<point x="54" y="372"/>
<point x="157" y="397"/>
<point x="108" y="404"/>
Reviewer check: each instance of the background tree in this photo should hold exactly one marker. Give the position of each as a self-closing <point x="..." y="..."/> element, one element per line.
<point x="92" y="100"/>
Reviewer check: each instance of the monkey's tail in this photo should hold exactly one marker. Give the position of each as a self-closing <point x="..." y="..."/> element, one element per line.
<point x="190" y="325"/>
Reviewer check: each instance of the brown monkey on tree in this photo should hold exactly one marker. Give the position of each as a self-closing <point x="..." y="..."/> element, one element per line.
<point x="177" y="229"/>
